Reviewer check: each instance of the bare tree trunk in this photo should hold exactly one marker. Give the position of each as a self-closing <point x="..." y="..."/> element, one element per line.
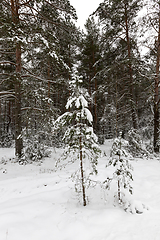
<point x="49" y="83"/>
<point x="156" y="95"/>
<point x="0" y="119"/>
<point x="133" y="111"/>
<point x="95" y="97"/>
<point x="116" y="109"/>
<point x="18" y="122"/>
<point x="95" y="105"/>
<point x="82" y="173"/>
<point x="89" y="88"/>
<point x="156" y="128"/>
<point x="119" y="192"/>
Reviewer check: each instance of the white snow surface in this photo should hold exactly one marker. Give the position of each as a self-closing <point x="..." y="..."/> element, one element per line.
<point x="37" y="202"/>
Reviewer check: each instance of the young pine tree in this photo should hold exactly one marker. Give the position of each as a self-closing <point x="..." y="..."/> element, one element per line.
<point x="80" y="140"/>
<point x="122" y="174"/>
<point x="123" y="169"/>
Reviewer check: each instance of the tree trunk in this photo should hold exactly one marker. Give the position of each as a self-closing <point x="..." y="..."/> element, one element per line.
<point x="82" y="173"/>
<point x="49" y="83"/>
<point x="95" y="97"/>
<point x="156" y="128"/>
<point x="18" y="122"/>
<point x="156" y="96"/>
<point x="119" y="192"/>
<point x="133" y="111"/>
<point x="0" y="120"/>
<point x="116" y="109"/>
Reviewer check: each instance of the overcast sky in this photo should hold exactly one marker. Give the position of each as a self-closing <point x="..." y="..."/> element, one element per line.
<point x="84" y="8"/>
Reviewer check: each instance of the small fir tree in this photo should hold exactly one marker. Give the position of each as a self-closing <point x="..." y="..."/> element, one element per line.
<point x="36" y="146"/>
<point x="123" y="172"/>
<point x="123" y="175"/>
<point x="80" y="140"/>
<point x="135" y="146"/>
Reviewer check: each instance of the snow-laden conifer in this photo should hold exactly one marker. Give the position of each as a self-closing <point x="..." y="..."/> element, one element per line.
<point x="135" y="146"/>
<point x="123" y="169"/>
<point x="79" y="138"/>
<point x="122" y="174"/>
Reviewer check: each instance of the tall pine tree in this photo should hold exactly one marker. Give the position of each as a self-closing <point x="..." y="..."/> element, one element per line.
<point x="25" y="27"/>
<point x="117" y="20"/>
<point x="89" y="66"/>
<point x="151" y="25"/>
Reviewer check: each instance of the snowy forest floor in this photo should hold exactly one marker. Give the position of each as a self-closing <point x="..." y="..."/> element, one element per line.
<point x="39" y="203"/>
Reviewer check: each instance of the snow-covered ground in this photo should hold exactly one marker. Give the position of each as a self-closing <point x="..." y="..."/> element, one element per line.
<point x="37" y="203"/>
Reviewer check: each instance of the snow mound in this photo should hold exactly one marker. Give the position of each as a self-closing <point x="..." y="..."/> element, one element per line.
<point x="135" y="206"/>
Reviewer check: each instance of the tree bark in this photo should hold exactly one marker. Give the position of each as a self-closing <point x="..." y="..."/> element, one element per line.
<point x="95" y="97"/>
<point x="156" y="95"/>
<point x="119" y="192"/>
<point x="156" y="128"/>
<point x="133" y="111"/>
<point x="17" y="85"/>
<point x="82" y="173"/>
<point x="18" y="122"/>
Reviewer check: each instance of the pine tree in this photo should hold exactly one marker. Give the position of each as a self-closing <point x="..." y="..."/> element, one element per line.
<point x="123" y="172"/>
<point x="89" y="65"/>
<point x="27" y="27"/>
<point x="79" y="138"/>
<point x="151" y="24"/>
<point x="117" y="20"/>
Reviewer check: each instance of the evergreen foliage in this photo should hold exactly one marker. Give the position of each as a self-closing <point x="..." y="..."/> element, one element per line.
<point x="89" y="65"/>
<point x="151" y="24"/>
<point x="123" y="169"/>
<point x="39" y="46"/>
<point x="119" y="161"/>
<point x="80" y="140"/>
<point x="36" y="146"/>
<point x="6" y="140"/>
<point x="120" y="55"/>
<point x="33" y="58"/>
<point x="135" y="146"/>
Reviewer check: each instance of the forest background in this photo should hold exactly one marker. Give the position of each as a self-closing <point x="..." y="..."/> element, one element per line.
<point x="117" y="58"/>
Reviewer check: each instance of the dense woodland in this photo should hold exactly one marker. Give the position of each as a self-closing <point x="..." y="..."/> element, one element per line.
<point x="116" y="56"/>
